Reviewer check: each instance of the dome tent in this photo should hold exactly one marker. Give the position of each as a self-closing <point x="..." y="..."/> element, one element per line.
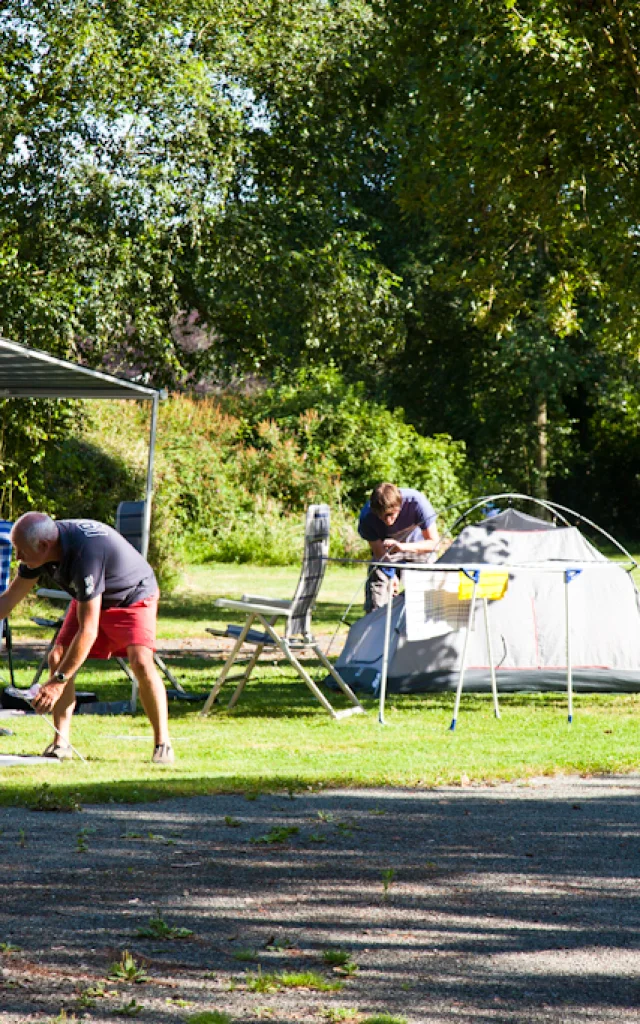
<point x="527" y="626"/>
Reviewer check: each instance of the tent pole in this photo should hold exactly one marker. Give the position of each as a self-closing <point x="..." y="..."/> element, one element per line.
<point x="385" y="653"/>
<point x="146" y="532"/>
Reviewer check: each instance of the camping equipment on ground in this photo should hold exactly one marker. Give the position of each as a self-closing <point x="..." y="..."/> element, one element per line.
<point x="570" y="618"/>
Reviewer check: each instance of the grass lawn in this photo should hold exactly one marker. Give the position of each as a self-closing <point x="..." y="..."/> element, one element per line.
<point x="279" y="738"/>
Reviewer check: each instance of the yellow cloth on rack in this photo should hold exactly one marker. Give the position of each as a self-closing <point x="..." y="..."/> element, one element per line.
<point x="492" y="585"/>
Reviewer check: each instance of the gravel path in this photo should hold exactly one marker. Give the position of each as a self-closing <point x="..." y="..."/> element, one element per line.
<point x="511" y="903"/>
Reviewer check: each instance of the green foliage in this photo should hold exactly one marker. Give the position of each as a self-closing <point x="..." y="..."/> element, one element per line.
<point x="47" y="799"/>
<point x="127" y="969"/>
<point x="157" y="928"/>
<point x="336" y="425"/>
<point x="209" y="1017"/>
<point x="278" y="834"/>
<point x="233" y="476"/>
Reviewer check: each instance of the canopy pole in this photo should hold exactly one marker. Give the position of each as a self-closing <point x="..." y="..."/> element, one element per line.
<point x="474" y="575"/>
<point x="492" y="668"/>
<point x="385" y="652"/>
<point x="569" y="575"/>
<point x="146" y="531"/>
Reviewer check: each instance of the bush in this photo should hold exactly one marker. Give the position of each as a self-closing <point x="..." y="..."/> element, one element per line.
<point x="358" y="441"/>
<point x="233" y="476"/>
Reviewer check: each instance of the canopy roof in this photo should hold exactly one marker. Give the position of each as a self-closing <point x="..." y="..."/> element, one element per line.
<point x="29" y="373"/>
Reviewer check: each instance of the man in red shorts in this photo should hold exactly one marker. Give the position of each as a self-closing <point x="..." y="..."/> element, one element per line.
<point x="113" y="611"/>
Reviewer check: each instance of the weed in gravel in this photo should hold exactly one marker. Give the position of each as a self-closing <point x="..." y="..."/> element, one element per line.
<point x="81" y="841"/>
<point x="84" y="1001"/>
<point x="156" y="838"/>
<point x="340" y="1013"/>
<point x="384" y="1018"/>
<point x="159" y="929"/>
<point x="310" y="980"/>
<point x="262" y="982"/>
<point x="316" y="837"/>
<point x="325" y="816"/>
<point x="231" y="821"/>
<point x="336" y="957"/>
<point x="130" y="1009"/>
<point x="182" y="1003"/>
<point x="387" y="878"/>
<point x="131" y="835"/>
<point x="126" y="969"/>
<point x="278" y="944"/>
<point x="209" y="1017"/>
<point x="22" y="838"/>
<point x="64" y="1018"/>
<point x="280" y="834"/>
<point x="8" y="947"/>
<point x="245" y="954"/>
<point x="86" y="997"/>
<point x="48" y="800"/>
<point x="263" y="1011"/>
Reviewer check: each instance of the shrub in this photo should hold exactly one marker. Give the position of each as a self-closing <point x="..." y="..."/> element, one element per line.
<point x="233" y="475"/>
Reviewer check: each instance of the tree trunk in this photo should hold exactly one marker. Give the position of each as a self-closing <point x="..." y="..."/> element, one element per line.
<point x="541" y="477"/>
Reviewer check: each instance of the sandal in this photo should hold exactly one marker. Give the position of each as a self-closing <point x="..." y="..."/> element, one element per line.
<point x="163" y="754"/>
<point x="59" y="751"/>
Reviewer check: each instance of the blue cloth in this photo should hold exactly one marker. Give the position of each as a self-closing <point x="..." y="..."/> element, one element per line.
<point x="5" y="553"/>
<point x="416" y="514"/>
<point x="5" y="561"/>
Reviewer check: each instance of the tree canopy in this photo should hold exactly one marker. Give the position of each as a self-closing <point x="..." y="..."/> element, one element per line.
<point x="440" y="199"/>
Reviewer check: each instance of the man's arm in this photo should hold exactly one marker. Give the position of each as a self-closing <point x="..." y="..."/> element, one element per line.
<point x="14" y="594"/>
<point x="378" y="550"/>
<point x="88" y="624"/>
<point x="430" y="541"/>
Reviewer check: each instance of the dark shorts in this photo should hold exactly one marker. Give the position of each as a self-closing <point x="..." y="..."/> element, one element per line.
<point x="119" y="628"/>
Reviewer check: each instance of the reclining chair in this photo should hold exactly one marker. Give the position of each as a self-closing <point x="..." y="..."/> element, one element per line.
<point x="5" y="565"/>
<point x="297" y="615"/>
<point x="129" y="523"/>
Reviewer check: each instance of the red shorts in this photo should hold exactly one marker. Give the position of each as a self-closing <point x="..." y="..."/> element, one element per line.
<point x="119" y="628"/>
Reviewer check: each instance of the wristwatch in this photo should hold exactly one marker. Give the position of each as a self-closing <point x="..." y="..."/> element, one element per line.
<point x="60" y="677"/>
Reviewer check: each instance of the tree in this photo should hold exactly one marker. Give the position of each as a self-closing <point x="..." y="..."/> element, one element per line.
<point x="518" y="148"/>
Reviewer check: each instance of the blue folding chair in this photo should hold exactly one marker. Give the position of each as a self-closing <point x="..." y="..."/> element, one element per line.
<point x="5" y="566"/>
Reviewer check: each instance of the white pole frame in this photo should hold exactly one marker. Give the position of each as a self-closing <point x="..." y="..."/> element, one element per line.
<point x="385" y="653"/>
<point x="569" y="575"/>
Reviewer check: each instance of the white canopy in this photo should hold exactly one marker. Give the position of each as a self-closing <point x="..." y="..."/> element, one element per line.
<point x="29" y="373"/>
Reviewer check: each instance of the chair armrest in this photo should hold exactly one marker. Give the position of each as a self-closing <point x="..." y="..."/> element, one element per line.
<point x="247" y="606"/>
<point x="277" y="602"/>
<point x="54" y="595"/>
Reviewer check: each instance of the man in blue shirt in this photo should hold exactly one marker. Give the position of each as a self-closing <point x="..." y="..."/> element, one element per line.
<point x="398" y="523"/>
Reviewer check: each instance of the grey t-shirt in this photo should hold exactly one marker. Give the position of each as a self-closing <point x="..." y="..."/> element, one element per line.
<point x="96" y="559"/>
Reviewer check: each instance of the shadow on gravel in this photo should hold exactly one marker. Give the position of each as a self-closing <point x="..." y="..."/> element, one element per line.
<point x="512" y="903"/>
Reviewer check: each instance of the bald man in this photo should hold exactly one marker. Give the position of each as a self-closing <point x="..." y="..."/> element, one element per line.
<point x="113" y="612"/>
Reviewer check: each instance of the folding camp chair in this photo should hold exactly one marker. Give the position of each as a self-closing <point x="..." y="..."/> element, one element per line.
<point x="129" y="523"/>
<point x="297" y="614"/>
<point x="5" y="565"/>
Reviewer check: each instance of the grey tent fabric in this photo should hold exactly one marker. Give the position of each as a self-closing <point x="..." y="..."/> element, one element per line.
<point x="528" y="632"/>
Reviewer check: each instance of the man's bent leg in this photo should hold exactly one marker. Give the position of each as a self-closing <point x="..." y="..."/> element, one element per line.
<point x="62" y="711"/>
<point x="377" y="589"/>
<point x="152" y="692"/>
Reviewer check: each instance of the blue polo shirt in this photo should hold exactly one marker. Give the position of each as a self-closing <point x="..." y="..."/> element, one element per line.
<point x="416" y="514"/>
